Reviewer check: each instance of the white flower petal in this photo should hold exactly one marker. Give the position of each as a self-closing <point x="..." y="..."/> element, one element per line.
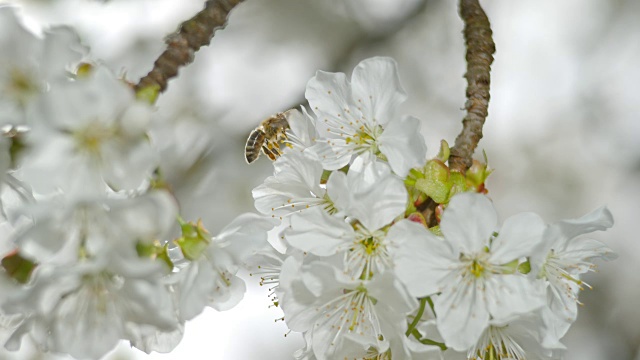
<point x="369" y="193"/>
<point x="328" y="156"/>
<point x="244" y="235"/>
<point x="319" y="233"/>
<point x="579" y="250"/>
<point x="294" y="186"/>
<point x="329" y="96"/>
<point x="386" y="289"/>
<point x="302" y="133"/>
<point x="403" y="145"/>
<point x="519" y="236"/>
<point x="462" y="315"/>
<point x="508" y="295"/>
<point x="295" y="298"/>
<point x="469" y="221"/>
<point x="376" y="89"/>
<point x="421" y="259"/>
<point x="555" y="327"/>
<point x="597" y="220"/>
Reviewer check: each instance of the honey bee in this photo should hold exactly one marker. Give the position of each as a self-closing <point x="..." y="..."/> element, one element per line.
<point x="267" y="138"/>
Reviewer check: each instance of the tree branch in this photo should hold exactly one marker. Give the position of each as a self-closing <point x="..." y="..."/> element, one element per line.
<point x="182" y="45"/>
<point x="480" y="49"/>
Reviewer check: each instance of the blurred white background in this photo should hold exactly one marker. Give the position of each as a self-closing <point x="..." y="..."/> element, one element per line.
<point x="563" y="132"/>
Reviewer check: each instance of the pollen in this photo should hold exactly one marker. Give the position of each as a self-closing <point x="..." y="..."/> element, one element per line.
<point x="477" y="269"/>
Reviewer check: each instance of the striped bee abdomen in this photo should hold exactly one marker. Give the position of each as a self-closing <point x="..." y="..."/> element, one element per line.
<point x="254" y="145"/>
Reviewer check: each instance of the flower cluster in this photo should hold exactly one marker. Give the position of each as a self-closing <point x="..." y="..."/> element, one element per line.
<point x="363" y="274"/>
<point x="92" y="245"/>
<point x="381" y="253"/>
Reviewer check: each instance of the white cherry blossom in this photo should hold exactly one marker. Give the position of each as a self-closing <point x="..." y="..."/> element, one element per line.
<point x="89" y="134"/>
<point x="84" y="309"/>
<point x="560" y="262"/>
<point x="518" y="338"/>
<point x="471" y="268"/>
<point x="211" y="280"/>
<point x="63" y="231"/>
<point x="344" y="318"/>
<point x="359" y="117"/>
<point x="29" y="64"/>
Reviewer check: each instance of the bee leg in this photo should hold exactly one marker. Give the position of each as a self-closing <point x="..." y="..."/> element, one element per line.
<point x="269" y="153"/>
<point x="275" y="152"/>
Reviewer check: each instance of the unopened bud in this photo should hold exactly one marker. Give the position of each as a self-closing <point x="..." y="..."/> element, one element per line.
<point x="436" y="182"/>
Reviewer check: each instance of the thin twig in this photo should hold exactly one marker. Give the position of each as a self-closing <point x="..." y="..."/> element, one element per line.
<point x="182" y="46"/>
<point x="480" y="49"/>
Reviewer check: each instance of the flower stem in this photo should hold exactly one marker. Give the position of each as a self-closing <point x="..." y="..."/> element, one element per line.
<point x="416" y="320"/>
<point x="417" y="335"/>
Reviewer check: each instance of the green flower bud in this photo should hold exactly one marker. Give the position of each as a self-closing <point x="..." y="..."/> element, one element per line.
<point x="436" y="182"/>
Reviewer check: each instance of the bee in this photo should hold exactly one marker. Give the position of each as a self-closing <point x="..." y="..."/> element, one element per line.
<point x="267" y="138"/>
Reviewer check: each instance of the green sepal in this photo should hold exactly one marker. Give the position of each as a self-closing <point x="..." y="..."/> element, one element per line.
<point x="158" y="182"/>
<point x="194" y="240"/>
<point x="418" y="218"/>
<point x="459" y="184"/>
<point x="413" y="175"/>
<point x="411" y="208"/>
<point x="192" y="248"/>
<point x="154" y="251"/>
<point x="325" y="176"/>
<point x="445" y="151"/>
<point x="148" y="94"/>
<point x="525" y="267"/>
<point x="436" y="182"/>
<point x="17" y="267"/>
<point x="17" y="147"/>
<point x="164" y="256"/>
<point x="478" y="174"/>
<point x="511" y="267"/>
<point x="435" y="230"/>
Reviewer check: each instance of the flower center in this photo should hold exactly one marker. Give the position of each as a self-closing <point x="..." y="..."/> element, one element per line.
<point x="21" y="86"/>
<point x="365" y="139"/>
<point x="368" y="254"/>
<point x="91" y="138"/>
<point x="477" y="265"/>
<point x="554" y="269"/>
<point x="497" y="344"/>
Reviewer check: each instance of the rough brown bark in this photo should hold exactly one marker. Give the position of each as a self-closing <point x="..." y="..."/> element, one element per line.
<point x="182" y="45"/>
<point x="480" y="49"/>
